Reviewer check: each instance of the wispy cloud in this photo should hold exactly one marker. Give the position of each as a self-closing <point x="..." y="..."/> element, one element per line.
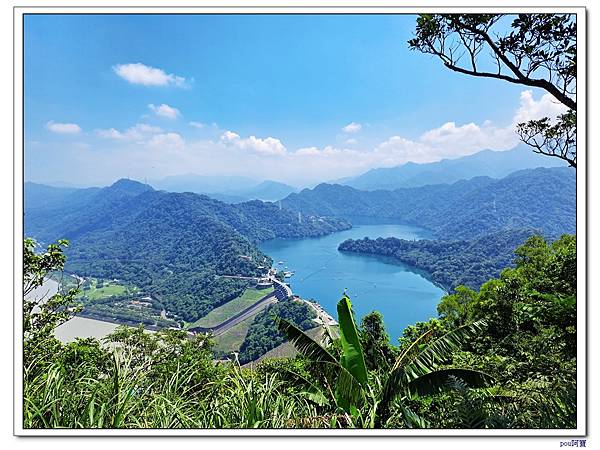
<point x="137" y="132"/>
<point x="167" y="140"/>
<point x="164" y="110"/>
<point x="197" y="124"/>
<point x="63" y="128"/>
<point x="352" y="127"/>
<point x="138" y="73"/>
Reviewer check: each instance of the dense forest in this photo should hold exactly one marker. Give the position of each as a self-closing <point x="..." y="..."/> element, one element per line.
<point x="173" y="246"/>
<point x="500" y="357"/>
<point x="542" y="199"/>
<point x="449" y="263"/>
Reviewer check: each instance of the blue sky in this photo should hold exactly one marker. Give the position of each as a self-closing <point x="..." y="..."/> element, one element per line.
<point x="294" y="98"/>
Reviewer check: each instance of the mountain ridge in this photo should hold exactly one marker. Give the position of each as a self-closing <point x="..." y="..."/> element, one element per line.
<point x="495" y="164"/>
<point x="174" y="246"/>
<point x="531" y="198"/>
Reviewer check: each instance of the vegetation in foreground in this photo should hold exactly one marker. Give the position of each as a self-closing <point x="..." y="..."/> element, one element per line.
<point x="503" y="357"/>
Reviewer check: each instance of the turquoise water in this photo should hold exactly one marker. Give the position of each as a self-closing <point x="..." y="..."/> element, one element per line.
<point x="399" y="292"/>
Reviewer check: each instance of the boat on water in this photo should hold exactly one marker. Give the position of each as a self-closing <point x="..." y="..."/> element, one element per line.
<point x="288" y="274"/>
<point x="280" y="262"/>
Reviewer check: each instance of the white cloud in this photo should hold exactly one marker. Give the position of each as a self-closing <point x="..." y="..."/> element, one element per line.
<point x="167" y="140"/>
<point x="397" y="150"/>
<point x="352" y="127"/>
<point x="327" y="152"/>
<point x="197" y="124"/>
<point x="267" y="146"/>
<point x="530" y="109"/>
<point x="461" y="140"/>
<point x="138" y="132"/>
<point x="110" y="133"/>
<point x="63" y="128"/>
<point x="452" y="140"/>
<point x="308" y="151"/>
<point x="164" y="110"/>
<point x="138" y="73"/>
<point x="350" y="142"/>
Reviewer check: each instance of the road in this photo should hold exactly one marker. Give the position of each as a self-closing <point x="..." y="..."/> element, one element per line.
<point x="239" y="317"/>
<point x="282" y="291"/>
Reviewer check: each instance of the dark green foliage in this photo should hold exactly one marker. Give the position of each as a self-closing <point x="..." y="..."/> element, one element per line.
<point x="379" y="353"/>
<point x="439" y="381"/>
<point x="529" y="343"/>
<point x="542" y="199"/>
<point x="263" y="334"/>
<point x="456" y="308"/>
<point x="42" y="312"/>
<point x="449" y="263"/>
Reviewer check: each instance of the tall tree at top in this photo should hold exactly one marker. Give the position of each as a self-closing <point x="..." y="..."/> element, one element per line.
<point x="536" y="50"/>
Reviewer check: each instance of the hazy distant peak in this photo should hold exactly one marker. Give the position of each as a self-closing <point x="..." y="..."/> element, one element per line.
<point x="494" y="164"/>
<point x="130" y="186"/>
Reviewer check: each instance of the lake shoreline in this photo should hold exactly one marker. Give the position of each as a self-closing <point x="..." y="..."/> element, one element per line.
<point x="403" y="294"/>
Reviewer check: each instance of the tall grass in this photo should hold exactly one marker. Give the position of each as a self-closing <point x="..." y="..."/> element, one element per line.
<point x="127" y="398"/>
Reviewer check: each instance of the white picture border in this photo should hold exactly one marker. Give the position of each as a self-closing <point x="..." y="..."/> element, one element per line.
<point x="582" y="309"/>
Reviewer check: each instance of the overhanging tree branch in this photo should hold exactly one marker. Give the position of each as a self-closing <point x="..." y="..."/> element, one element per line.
<point x="536" y="50"/>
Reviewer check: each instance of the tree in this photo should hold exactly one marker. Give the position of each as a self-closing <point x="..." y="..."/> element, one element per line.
<point x="455" y="307"/>
<point x="41" y="315"/>
<point x="379" y="353"/>
<point x="417" y="371"/>
<point x="535" y="50"/>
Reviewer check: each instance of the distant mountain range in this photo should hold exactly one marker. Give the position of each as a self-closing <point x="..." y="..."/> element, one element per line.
<point x="230" y="189"/>
<point x="494" y="164"/>
<point x="543" y="199"/>
<point x="171" y="245"/>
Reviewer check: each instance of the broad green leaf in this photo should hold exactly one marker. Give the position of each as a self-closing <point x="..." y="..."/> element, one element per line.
<point x="352" y="355"/>
<point x="305" y="345"/>
<point x="440" y="351"/>
<point x="348" y="391"/>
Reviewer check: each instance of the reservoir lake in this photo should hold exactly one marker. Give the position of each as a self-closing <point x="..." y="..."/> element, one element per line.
<point x="401" y="293"/>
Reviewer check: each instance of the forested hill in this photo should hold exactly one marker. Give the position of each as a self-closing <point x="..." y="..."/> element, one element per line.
<point x="52" y="213"/>
<point x="171" y="245"/>
<point x="449" y="263"/>
<point x="543" y="199"/>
